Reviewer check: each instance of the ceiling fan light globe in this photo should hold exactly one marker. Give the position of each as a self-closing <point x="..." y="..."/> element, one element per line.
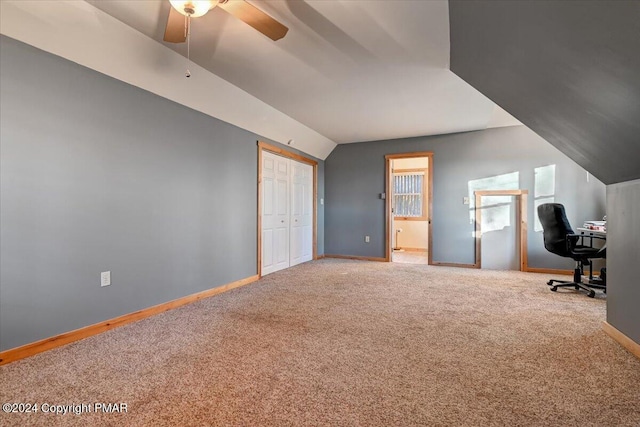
<point x="199" y="7"/>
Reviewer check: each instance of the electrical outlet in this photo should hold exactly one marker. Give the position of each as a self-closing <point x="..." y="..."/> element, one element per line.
<point x="366" y="239"/>
<point x="105" y="278"/>
<point x="465" y="200"/>
<point x="322" y="201"/>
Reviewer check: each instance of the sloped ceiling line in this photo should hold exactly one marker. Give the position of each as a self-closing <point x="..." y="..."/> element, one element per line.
<point x="347" y="71"/>
<point x="567" y="70"/>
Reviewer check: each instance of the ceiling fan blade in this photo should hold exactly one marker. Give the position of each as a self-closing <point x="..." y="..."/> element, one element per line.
<point x="256" y="18"/>
<point x="174" y="33"/>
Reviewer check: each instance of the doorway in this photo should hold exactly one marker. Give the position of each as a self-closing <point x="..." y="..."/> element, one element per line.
<point x="501" y="229"/>
<point x="409" y="189"/>
<point x="287" y="186"/>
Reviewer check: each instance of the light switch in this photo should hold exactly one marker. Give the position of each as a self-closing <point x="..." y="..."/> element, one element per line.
<point x="105" y="278"/>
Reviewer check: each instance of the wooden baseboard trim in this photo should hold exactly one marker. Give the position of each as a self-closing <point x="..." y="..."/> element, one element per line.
<point x="359" y="258"/>
<point x="414" y="249"/>
<point x="549" y="271"/>
<point x="320" y="256"/>
<point x="453" y="264"/>
<point x="622" y="339"/>
<point x="31" y="349"/>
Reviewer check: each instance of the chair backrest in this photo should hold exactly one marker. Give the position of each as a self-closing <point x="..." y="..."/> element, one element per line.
<point x="555" y="227"/>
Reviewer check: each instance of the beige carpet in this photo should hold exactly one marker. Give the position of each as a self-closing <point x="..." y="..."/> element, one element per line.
<point x="349" y="343"/>
<point x="410" y="257"/>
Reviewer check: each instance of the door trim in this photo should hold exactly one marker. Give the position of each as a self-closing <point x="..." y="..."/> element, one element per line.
<point x="389" y="217"/>
<point x="521" y="218"/>
<point x="263" y="146"/>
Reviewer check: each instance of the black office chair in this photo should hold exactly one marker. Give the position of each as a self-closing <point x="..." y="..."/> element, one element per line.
<point x="561" y="240"/>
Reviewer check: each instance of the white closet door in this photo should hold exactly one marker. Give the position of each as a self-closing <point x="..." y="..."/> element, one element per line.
<point x="301" y="212"/>
<point x="275" y="213"/>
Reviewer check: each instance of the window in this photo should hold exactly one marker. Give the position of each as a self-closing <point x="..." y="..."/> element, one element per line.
<point x="544" y="190"/>
<point x="409" y="195"/>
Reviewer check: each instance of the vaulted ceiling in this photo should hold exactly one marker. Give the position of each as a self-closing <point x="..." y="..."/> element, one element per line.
<point x="569" y="70"/>
<point x="347" y="71"/>
<point x="350" y="71"/>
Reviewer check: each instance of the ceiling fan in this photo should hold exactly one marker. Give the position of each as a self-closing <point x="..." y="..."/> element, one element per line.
<point x="178" y="25"/>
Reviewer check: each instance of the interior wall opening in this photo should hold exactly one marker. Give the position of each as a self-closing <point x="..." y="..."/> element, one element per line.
<point x="409" y="200"/>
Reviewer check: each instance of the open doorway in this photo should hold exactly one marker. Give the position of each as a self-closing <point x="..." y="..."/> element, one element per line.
<point x="409" y="190"/>
<point x="501" y="229"/>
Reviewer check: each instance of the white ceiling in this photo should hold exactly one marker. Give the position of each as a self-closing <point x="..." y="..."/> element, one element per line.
<point x="347" y="70"/>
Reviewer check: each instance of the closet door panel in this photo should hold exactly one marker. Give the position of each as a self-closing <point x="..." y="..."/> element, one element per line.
<point x="287" y="213"/>
<point x="275" y="213"/>
<point x="305" y="216"/>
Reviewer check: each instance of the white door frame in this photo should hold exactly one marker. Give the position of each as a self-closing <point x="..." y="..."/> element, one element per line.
<point x="291" y="155"/>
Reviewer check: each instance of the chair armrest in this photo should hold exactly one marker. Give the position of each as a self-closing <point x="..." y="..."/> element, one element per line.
<point x="572" y="239"/>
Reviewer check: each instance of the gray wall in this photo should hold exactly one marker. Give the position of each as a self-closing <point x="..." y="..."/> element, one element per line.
<point x="355" y="178"/>
<point x="566" y="69"/>
<point x="98" y="175"/>
<point x="623" y="257"/>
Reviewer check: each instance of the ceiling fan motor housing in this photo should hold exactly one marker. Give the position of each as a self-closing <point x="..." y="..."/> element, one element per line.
<point x="241" y="9"/>
<point x="193" y="8"/>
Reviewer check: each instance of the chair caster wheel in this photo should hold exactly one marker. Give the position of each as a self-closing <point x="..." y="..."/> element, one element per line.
<point x="553" y="289"/>
<point x="550" y="282"/>
<point x="577" y="287"/>
<point x="591" y="294"/>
